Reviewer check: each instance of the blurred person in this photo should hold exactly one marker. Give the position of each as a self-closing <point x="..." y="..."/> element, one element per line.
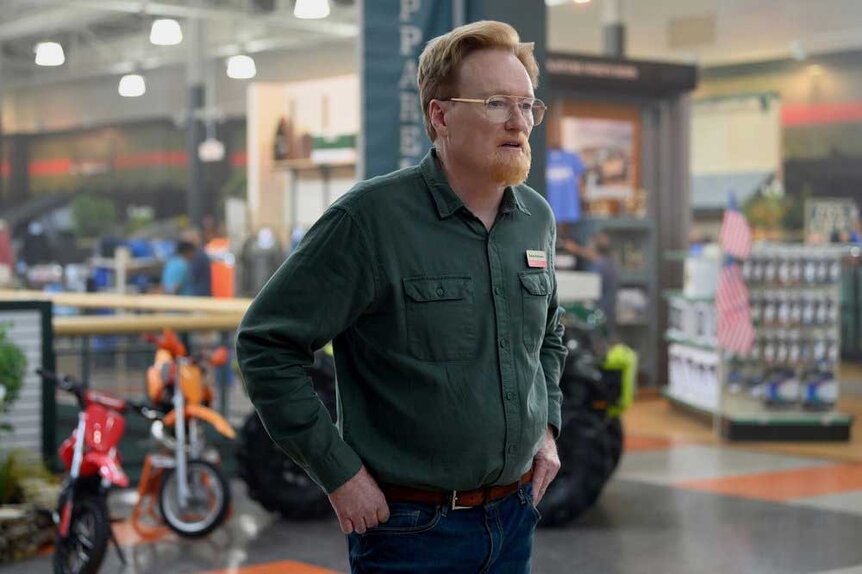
<point x="176" y="275"/>
<point x="436" y="284"/>
<point x="200" y="267"/>
<point x="599" y="259"/>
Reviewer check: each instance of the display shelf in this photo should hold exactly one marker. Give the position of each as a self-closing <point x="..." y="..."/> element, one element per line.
<point x="621" y="223"/>
<point x="307" y="164"/>
<point x="671" y="337"/>
<point x="676" y="255"/>
<point x="633" y="243"/>
<point x="679" y="294"/>
<point x="765" y="426"/>
<point x="700" y="411"/>
<point x="634" y="278"/>
<point x="787" y="388"/>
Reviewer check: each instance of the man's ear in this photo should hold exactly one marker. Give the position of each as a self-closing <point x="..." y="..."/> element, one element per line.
<point x="437" y="115"/>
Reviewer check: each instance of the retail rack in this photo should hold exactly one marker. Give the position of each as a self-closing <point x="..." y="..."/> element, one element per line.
<point x="787" y="387"/>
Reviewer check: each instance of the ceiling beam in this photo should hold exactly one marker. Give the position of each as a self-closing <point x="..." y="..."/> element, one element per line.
<point x="282" y="19"/>
<point x="47" y="22"/>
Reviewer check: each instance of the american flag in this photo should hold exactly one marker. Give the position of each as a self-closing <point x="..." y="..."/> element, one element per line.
<point x="735" y="235"/>
<point x="735" y="331"/>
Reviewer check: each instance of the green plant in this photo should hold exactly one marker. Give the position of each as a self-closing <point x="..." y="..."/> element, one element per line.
<point x="17" y="467"/>
<point x="93" y="215"/>
<point x="765" y="212"/>
<point x="13" y="365"/>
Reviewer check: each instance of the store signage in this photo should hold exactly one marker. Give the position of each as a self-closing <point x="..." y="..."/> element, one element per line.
<point x="623" y="76"/>
<point x="393" y="36"/>
<point x="825" y="217"/>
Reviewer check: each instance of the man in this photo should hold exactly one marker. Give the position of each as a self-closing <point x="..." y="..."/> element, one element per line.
<point x="598" y="255"/>
<point x="176" y="279"/>
<point x="200" y="266"/>
<point x="437" y="285"/>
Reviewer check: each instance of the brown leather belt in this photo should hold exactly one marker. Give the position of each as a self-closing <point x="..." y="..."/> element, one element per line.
<point x="456" y="499"/>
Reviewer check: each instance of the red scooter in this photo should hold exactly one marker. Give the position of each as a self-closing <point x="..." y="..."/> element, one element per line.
<point x="92" y="461"/>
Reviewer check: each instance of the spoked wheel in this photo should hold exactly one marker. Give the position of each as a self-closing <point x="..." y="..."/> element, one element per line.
<point x="89" y="531"/>
<point x="207" y="503"/>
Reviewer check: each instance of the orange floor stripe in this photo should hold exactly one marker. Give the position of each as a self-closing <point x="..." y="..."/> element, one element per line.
<point x="785" y="485"/>
<point x="285" y="567"/>
<point x="633" y="443"/>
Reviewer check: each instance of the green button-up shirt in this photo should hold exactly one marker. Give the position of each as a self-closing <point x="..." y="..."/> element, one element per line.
<point x="447" y="339"/>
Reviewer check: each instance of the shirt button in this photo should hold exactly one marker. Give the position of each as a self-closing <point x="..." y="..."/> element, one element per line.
<point x="502" y="343"/>
<point x="510" y="395"/>
<point x="511" y="448"/>
<point x="440" y="291"/>
<point x="498" y="291"/>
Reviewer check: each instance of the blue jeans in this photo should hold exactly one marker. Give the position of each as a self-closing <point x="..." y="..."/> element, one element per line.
<point x="418" y="538"/>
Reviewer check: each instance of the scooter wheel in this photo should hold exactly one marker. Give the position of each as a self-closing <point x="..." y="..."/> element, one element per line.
<point x="208" y="500"/>
<point x="83" y="550"/>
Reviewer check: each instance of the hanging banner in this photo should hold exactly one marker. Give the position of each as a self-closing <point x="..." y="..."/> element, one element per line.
<point x="394" y="33"/>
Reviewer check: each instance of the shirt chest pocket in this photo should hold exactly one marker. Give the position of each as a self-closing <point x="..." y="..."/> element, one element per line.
<point x="535" y="290"/>
<point x="440" y="317"/>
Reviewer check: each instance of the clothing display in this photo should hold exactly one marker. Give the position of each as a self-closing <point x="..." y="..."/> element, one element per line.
<point x="564" y="173"/>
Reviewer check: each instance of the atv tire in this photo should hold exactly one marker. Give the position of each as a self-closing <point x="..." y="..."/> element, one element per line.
<point x="614" y="429"/>
<point x="586" y="463"/>
<point x="273" y="479"/>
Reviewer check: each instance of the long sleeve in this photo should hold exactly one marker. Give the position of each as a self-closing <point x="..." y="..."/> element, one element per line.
<point x="322" y="288"/>
<point x="553" y="351"/>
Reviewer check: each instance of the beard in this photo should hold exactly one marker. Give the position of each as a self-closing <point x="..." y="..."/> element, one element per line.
<point x="511" y="169"/>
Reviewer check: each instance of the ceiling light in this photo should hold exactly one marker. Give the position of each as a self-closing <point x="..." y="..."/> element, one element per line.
<point x="311" y="9"/>
<point x="166" y="32"/>
<point x="49" y="54"/>
<point x="241" y="67"/>
<point x="582" y="1"/>
<point x="132" y="86"/>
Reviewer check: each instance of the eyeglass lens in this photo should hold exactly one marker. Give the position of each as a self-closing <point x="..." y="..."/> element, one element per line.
<point x="500" y="109"/>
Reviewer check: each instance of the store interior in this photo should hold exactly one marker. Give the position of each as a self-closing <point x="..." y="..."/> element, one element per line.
<point x="128" y="127"/>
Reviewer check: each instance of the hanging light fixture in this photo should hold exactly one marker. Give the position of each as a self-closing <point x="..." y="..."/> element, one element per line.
<point x="166" y="32"/>
<point x="241" y="67"/>
<point x="49" y="54"/>
<point x="132" y="86"/>
<point x="311" y="9"/>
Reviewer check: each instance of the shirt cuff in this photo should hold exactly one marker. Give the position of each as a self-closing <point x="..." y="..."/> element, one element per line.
<point x="555" y="419"/>
<point x="338" y="467"/>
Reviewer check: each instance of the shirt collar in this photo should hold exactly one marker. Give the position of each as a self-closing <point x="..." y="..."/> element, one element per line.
<point x="447" y="201"/>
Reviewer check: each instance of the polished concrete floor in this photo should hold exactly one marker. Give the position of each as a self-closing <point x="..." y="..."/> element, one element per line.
<point x="682" y="501"/>
<point x="677" y="504"/>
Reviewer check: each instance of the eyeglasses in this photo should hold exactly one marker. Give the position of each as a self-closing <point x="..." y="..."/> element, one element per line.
<point x="499" y="109"/>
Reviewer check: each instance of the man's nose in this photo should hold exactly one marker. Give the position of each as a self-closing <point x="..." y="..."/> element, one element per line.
<point x="519" y="120"/>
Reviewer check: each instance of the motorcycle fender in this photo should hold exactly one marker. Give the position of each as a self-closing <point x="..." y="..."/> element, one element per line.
<point x="205" y="414"/>
<point x="213" y="418"/>
<point x="108" y="467"/>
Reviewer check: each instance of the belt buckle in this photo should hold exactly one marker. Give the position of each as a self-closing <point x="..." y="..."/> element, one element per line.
<point x="455" y="505"/>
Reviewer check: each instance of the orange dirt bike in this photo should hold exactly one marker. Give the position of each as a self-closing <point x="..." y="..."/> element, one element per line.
<point x="182" y="486"/>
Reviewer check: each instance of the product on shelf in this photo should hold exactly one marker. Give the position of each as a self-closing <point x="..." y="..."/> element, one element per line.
<point x="794" y="306"/>
<point x="793" y="365"/>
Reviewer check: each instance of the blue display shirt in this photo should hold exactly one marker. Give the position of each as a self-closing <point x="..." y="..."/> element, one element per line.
<point x="563" y="180"/>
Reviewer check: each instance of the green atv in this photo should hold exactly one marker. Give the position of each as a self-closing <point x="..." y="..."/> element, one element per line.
<point x="597" y="385"/>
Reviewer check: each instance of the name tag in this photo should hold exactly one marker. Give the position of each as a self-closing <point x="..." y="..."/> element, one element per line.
<point x="537" y="259"/>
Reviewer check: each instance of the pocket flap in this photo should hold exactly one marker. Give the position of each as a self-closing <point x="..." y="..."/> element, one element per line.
<point x="443" y="288"/>
<point x="536" y="283"/>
